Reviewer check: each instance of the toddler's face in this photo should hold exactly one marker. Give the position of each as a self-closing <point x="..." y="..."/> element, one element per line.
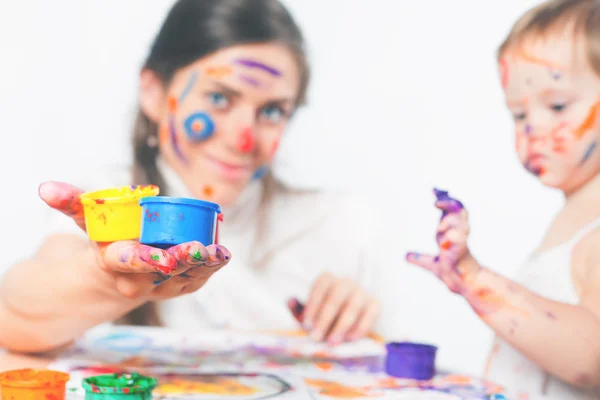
<point x="553" y="94"/>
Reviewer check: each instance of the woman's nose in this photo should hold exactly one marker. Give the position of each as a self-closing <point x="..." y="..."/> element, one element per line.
<point x="241" y="135"/>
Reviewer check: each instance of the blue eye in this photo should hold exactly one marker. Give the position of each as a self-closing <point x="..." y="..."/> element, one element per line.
<point x="218" y="100"/>
<point x="273" y="113"/>
<point x="558" y="107"/>
<point x="519" y="116"/>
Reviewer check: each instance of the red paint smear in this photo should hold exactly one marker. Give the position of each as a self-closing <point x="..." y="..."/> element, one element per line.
<point x="219" y="221"/>
<point x="125" y="390"/>
<point x="152" y="216"/>
<point x="275" y="147"/>
<point x="172" y="104"/>
<point x="446" y="245"/>
<point x="589" y="121"/>
<point x="246" y="141"/>
<point x="504" y="73"/>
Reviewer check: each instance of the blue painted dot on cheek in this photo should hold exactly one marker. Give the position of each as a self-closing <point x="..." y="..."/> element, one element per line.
<point x="199" y="127"/>
<point x="259" y="173"/>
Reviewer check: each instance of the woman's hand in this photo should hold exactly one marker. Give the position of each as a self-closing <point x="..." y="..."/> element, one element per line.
<point x="137" y="271"/>
<point x="454" y="265"/>
<point x="337" y="310"/>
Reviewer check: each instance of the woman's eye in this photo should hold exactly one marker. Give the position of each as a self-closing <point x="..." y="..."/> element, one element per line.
<point x="519" y="116"/>
<point x="219" y="100"/>
<point x="273" y="114"/>
<point x="558" y="107"/>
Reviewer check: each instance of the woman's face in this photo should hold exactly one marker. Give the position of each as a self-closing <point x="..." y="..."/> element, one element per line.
<point x="221" y="118"/>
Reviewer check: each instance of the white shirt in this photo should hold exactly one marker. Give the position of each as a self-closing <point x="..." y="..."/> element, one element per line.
<point x="281" y="240"/>
<point x="547" y="274"/>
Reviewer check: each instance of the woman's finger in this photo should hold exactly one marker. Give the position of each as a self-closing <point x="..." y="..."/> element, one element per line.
<point x="64" y="198"/>
<point x="367" y="320"/>
<point x="317" y="295"/>
<point x="190" y="254"/>
<point x="348" y="317"/>
<point x="218" y="256"/>
<point x="331" y="307"/>
<point x="132" y="257"/>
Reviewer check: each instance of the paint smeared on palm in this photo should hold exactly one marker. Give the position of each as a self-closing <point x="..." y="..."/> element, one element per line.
<point x="453" y="263"/>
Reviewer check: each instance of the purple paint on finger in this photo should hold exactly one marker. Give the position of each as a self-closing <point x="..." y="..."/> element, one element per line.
<point x="257" y="65"/>
<point x="454" y="205"/>
<point x="551" y="315"/>
<point x="528" y="129"/>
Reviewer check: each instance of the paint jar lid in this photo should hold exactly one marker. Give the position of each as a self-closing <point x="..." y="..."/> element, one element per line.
<point x="121" y="194"/>
<point x="119" y="383"/>
<point x="31" y="378"/>
<point x="181" y="200"/>
<point x="410" y="360"/>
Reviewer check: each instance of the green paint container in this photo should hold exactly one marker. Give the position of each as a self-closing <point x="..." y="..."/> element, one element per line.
<point x="119" y="387"/>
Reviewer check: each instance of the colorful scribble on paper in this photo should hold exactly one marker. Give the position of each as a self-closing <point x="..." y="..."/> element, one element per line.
<point x="285" y="365"/>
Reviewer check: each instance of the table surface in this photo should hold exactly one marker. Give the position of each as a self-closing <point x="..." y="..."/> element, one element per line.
<point x="342" y="368"/>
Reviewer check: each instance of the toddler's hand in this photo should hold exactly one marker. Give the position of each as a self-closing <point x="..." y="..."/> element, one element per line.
<point x="138" y="271"/>
<point x="454" y="265"/>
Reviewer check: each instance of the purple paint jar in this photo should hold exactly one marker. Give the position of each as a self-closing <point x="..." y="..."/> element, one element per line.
<point x="410" y="360"/>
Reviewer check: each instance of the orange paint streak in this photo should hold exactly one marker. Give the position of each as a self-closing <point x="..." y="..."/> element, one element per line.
<point x="208" y="191"/>
<point x="172" y="104"/>
<point x="486" y="301"/>
<point x="589" y="121"/>
<point x="324" y="366"/>
<point x="163" y="135"/>
<point x="197" y="126"/>
<point x="446" y="245"/>
<point x="522" y="54"/>
<point x="337" y="390"/>
<point x="458" y="380"/>
<point x="488" y="364"/>
<point x="218" y="72"/>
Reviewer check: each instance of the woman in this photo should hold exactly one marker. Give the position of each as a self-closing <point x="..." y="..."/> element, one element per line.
<point x="220" y="84"/>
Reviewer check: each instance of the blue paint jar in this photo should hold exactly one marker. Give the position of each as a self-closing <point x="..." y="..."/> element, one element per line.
<point x="169" y="221"/>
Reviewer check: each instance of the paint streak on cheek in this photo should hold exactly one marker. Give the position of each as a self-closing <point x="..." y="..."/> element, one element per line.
<point x="503" y="67"/>
<point x="274" y="148"/>
<point x="588" y="153"/>
<point x="589" y="122"/>
<point x="199" y="127"/>
<point x="172" y="106"/>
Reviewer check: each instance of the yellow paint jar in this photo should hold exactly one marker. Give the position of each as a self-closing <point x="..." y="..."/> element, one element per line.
<point x="115" y="214"/>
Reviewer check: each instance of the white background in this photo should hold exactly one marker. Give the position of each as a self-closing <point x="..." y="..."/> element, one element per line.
<point x="405" y="96"/>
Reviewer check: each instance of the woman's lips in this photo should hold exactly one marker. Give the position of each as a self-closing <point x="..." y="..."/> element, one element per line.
<point x="229" y="171"/>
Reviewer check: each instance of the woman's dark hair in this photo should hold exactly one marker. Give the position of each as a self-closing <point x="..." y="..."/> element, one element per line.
<point x="194" y="29"/>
